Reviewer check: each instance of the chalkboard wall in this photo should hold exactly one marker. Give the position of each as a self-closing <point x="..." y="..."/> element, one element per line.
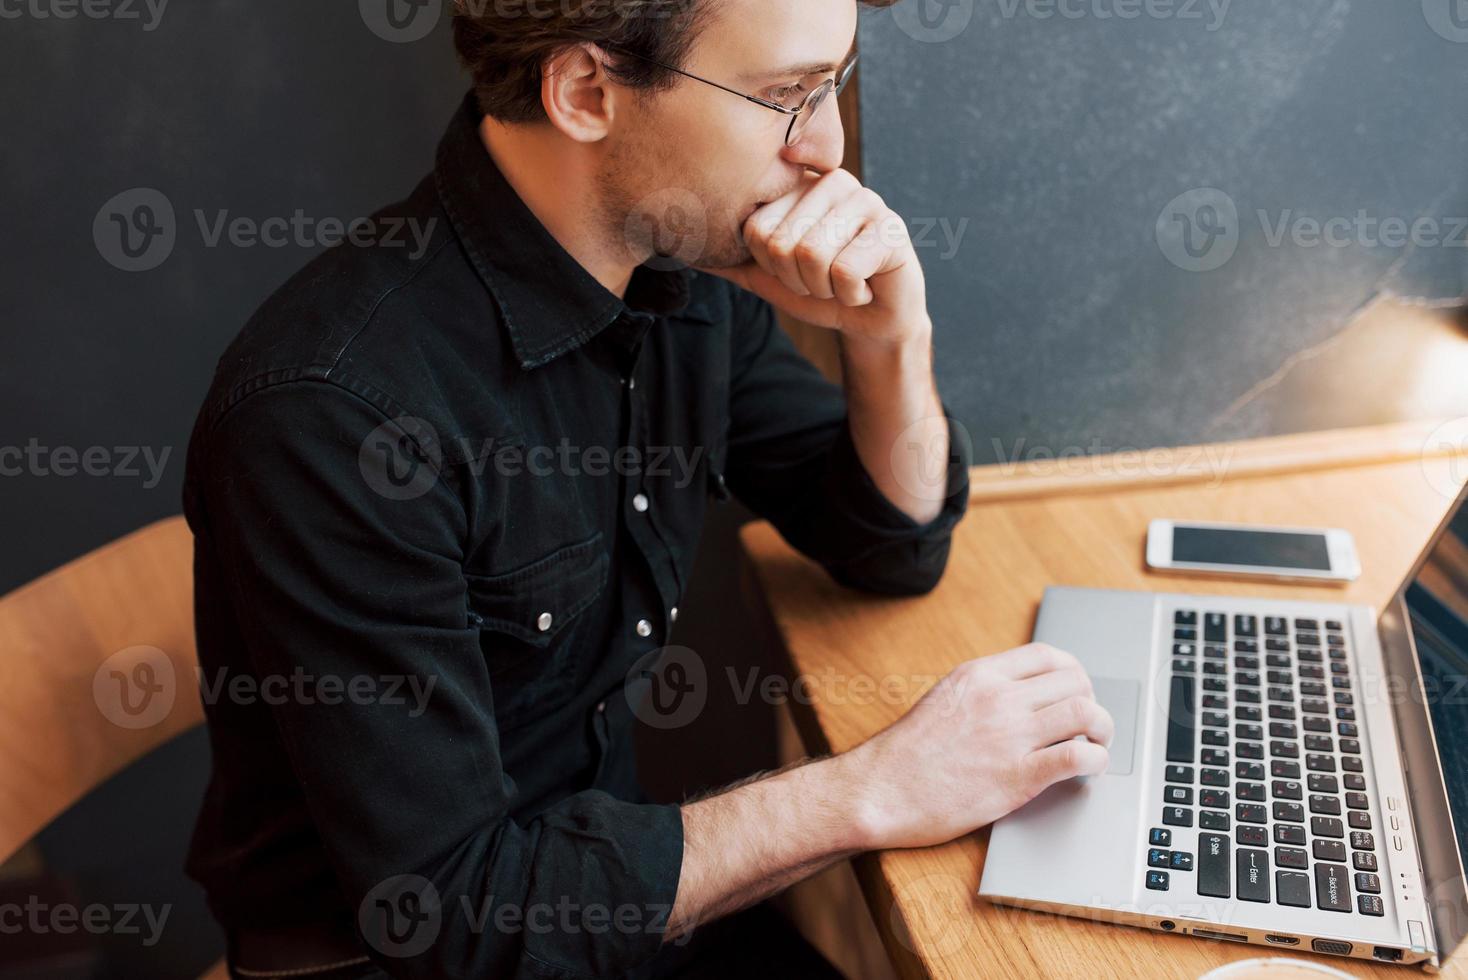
<point x="1144" y="222"/>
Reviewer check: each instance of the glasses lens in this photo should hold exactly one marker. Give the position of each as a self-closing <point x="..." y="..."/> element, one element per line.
<point x="813" y="103"/>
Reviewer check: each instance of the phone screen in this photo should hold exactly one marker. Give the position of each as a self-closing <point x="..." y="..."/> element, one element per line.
<point x="1263" y="549"/>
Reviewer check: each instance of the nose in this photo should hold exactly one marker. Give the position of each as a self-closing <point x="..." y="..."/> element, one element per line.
<point x="823" y="144"/>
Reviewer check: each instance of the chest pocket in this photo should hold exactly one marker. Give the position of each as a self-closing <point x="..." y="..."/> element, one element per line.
<point x="531" y="624"/>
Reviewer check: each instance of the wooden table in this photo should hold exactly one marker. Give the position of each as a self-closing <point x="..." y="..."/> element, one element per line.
<point x="1080" y="523"/>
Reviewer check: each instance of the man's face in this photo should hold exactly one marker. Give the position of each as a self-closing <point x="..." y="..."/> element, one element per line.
<point x="685" y="167"/>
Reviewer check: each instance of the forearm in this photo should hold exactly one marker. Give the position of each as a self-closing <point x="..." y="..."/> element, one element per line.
<point x="897" y="421"/>
<point x="758" y="838"/>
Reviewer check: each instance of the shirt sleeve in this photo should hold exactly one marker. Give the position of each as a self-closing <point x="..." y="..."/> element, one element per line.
<point x="791" y="460"/>
<point x="338" y="574"/>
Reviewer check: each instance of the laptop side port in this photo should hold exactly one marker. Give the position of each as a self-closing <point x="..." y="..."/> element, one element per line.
<point x="1387" y="953"/>
<point x="1331" y="946"/>
<point x="1282" y="940"/>
<point x="1232" y="937"/>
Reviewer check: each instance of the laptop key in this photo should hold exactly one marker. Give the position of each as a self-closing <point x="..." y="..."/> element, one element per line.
<point x="1284" y="750"/>
<point x="1252" y="836"/>
<point x="1291" y="857"/>
<point x="1213" y="859"/>
<point x="1248" y="712"/>
<point x="1177" y="816"/>
<point x="1328" y="805"/>
<point x="1214" y="777"/>
<point x="1328" y="850"/>
<point x="1327" y="827"/>
<point x="1312" y="625"/>
<point x="1180" y="721"/>
<point x="1316" y="724"/>
<point x="1182" y="861"/>
<point x="1357" y="801"/>
<point x="1359" y="819"/>
<point x="1320" y="763"/>
<point x="1332" y="888"/>
<point x="1215" y="627"/>
<point x="1284" y="769"/>
<point x="1286" y="789"/>
<point x="1252" y="867"/>
<point x="1368" y="882"/>
<point x="1214" y="798"/>
<point x="1159" y="858"/>
<point x="1213" y="820"/>
<point x="1177" y="795"/>
<point x="1250" y="750"/>
<point x="1370" y="905"/>
<point x="1293" y="888"/>
<point x="1283" y="712"/>
<point x="1291" y="812"/>
<point x="1364" y="861"/>
<point x="1159" y="837"/>
<point x="1286" y="833"/>
<point x="1179" y="774"/>
<point x="1249" y="770"/>
<point x="1321" y="783"/>
<point x="1354" y="781"/>
<point x="1351" y="763"/>
<point x="1157" y="880"/>
<point x="1252" y="813"/>
<point x="1362" y="841"/>
<point x="1253" y="792"/>
<point x="1184" y="617"/>
<point x="1215" y="757"/>
<point x="1246" y="625"/>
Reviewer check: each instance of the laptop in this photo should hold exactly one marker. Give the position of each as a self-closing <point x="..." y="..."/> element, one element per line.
<point x="1291" y="774"/>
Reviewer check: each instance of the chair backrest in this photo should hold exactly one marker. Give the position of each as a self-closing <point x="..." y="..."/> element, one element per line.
<point x="97" y="668"/>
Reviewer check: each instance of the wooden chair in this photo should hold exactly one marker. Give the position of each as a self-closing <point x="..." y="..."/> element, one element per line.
<point x="97" y="670"/>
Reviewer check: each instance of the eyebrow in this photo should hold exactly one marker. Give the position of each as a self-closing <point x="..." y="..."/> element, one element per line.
<point x="800" y="71"/>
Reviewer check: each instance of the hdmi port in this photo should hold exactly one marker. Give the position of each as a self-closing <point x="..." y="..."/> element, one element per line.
<point x="1281" y="940"/>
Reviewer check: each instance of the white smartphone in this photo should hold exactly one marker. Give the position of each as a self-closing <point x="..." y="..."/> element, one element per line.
<point x="1201" y="547"/>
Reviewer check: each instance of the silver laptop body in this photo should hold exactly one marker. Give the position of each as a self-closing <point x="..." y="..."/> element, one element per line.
<point x="1346" y="736"/>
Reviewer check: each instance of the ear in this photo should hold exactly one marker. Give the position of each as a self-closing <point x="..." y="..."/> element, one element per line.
<point x="578" y="97"/>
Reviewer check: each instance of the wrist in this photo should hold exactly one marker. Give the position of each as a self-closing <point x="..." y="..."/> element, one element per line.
<point x="909" y="350"/>
<point x="861" y="800"/>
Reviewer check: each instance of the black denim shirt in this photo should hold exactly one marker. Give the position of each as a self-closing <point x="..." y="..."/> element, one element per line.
<point x="477" y="469"/>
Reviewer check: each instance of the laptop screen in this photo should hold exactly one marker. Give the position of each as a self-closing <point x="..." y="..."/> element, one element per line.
<point x="1437" y="608"/>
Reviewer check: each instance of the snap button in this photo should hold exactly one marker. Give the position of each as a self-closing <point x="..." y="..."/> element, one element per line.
<point x="673" y="614"/>
<point x="644" y="628"/>
<point x="639" y="503"/>
<point x="544" y="621"/>
<point x="601" y="706"/>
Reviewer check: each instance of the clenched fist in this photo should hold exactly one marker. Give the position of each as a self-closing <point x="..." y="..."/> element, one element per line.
<point x="833" y="254"/>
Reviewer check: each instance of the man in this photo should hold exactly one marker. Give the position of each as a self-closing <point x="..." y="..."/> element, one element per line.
<point x="432" y="493"/>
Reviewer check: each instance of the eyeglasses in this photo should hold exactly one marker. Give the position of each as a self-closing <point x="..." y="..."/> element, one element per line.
<point x="800" y="116"/>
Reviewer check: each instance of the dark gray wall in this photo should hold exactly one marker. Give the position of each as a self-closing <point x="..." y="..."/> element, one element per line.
<point x="252" y="107"/>
<point x="1062" y="132"/>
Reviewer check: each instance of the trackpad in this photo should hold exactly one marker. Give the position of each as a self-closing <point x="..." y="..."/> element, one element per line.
<point x="1120" y="697"/>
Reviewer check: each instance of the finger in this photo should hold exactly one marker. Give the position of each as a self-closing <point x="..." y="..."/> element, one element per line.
<point x="760" y="225"/>
<point x="1075" y="757"/>
<point x="852" y="271"/>
<point x="1079" y="715"/>
<point x="826" y="193"/>
<point x="1043" y="690"/>
<point x="1028" y="661"/>
<point x="832" y="235"/>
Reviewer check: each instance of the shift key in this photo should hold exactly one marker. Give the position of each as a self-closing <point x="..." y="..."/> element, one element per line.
<point x="1253" y="874"/>
<point x="1213" y="865"/>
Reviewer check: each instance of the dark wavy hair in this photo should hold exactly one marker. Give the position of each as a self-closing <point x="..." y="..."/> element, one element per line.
<point x="504" y="43"/>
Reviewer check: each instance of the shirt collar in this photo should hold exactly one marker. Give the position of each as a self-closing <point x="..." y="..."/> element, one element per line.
<point x="549" y="303"/>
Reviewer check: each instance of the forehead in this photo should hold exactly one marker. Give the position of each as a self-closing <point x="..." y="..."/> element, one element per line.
<point x="755" y="37"/>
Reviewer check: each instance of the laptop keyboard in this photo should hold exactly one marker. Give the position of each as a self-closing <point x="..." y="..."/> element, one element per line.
<point x="1264" y="794"/>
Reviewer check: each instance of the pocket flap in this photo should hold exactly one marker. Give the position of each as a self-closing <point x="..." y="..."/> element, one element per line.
<point x="535" y="602"/>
